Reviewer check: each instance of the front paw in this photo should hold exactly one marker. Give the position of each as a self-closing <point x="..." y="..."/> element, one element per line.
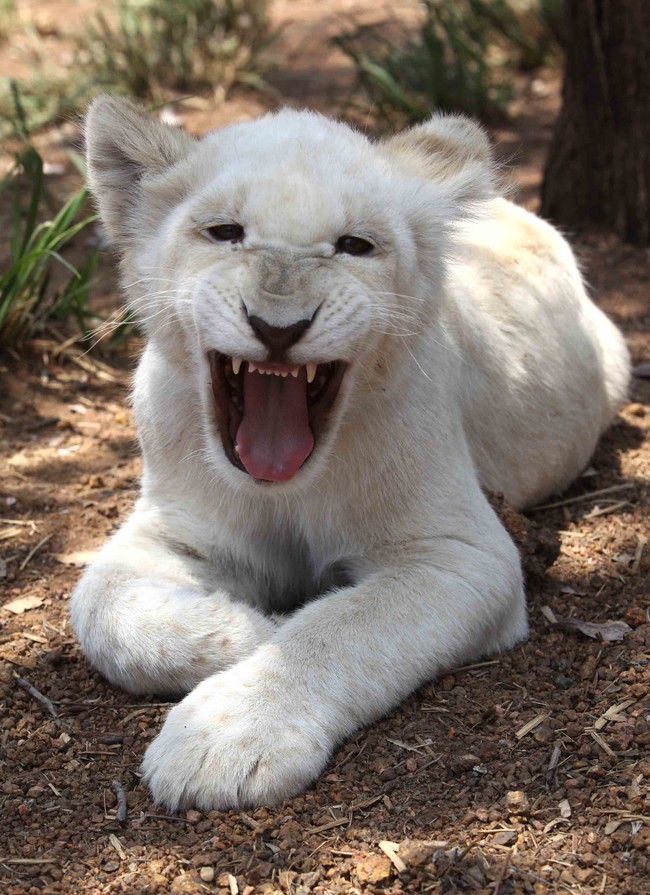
<point x="240" y="739"/>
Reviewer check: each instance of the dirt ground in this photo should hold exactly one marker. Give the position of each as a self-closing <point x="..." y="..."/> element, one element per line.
<point x="525" y="773"/>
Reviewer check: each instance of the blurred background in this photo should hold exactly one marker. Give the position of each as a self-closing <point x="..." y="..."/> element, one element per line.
<point x="201" y="63"/>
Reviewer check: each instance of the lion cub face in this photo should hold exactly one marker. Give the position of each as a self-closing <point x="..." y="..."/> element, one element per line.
<point x="286" y="262"/>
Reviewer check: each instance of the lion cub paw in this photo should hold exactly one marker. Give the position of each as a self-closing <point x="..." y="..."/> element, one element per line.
<point x="236" y="741"/>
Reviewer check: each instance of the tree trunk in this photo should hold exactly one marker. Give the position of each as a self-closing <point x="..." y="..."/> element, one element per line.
<point x="598" y="172"/>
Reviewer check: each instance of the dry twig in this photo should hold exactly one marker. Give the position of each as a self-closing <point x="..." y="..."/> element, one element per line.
<point x="121" y="807"/>
<point x="36" y="694"/>
<point x="391" y="849"/>
<point x="638" y="554"/>
<point x="555" y="757"/>
<point x="33" y="552"/>
<point x="530" y="725"/>
<point x="581" y="498"/>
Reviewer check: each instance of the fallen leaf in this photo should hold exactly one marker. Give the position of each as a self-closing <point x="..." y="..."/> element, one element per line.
<point x="79" y="558"/>
<point x="553" y="823"/>
<point x="22" y="604"/>
<point x="609" y="632"/>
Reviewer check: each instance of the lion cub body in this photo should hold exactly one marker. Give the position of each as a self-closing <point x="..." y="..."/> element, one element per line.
<point x="473" y="359"/>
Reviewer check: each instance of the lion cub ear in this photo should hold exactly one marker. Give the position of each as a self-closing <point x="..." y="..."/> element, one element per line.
<point x="124" y="145"/>
<point x="452" y="150"/>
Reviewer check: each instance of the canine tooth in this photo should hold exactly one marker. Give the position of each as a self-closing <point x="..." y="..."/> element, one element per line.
<point x="236" y="365"/>
<point x="311" y="372"/>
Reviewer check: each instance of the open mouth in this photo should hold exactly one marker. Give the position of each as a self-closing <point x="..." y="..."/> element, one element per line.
<point x="271" y="414"/>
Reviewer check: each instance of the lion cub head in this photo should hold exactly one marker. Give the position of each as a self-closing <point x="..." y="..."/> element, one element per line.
<point x="285" y="264"/>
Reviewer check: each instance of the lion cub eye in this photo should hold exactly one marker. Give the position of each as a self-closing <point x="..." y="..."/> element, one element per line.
<point x="225" y="232"/>
<point x="354" y="245"/>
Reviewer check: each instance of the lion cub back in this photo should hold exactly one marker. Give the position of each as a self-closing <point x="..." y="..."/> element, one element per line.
<point x="535" y="346"/>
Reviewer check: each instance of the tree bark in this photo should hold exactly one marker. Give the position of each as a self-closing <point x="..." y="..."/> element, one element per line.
<point x="598" y="171"/>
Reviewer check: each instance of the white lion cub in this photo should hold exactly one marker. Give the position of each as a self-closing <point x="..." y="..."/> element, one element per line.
<point x="347" y="341"/>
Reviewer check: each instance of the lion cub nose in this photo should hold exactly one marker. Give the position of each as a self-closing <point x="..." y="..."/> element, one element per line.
<point x="278" y="339"/>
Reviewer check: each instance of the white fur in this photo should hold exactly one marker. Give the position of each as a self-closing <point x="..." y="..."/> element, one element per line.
<point x="476" y="361"/>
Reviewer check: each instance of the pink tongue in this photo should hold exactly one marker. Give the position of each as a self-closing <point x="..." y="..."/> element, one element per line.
<point x="274" y="438"/>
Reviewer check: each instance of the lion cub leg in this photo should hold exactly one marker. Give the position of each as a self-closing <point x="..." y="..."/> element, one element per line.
<point x="262" y="730"/>
<point x="148" y="619"/>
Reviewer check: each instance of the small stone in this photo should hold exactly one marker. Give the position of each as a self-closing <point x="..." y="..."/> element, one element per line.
<point x="207" y="874"/>
<point x="11" y="789"/>
<point x="504" y="837"/>
<point x="111" y="866"/>
<point x="636" y="616"/>
<point x="373" y="869"/>
<point x="641" y="840"/>
<point x="543" y="734"/>
<point x="517" y="802"/>
<point x="187" y="884"/>
<point x="415" y="853"/>
<point x="193" y="816"/>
